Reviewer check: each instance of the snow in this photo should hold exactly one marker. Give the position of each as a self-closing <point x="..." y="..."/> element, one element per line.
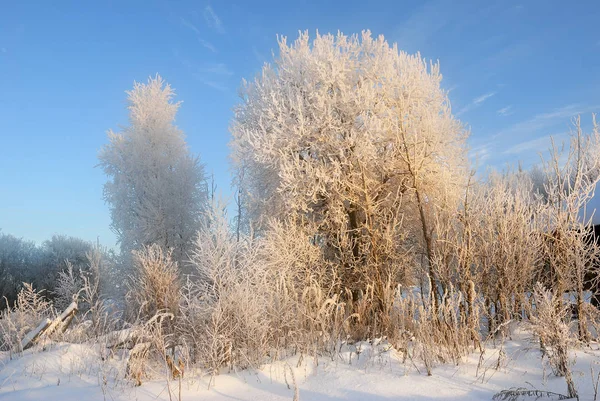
<point x="376" y="373"/>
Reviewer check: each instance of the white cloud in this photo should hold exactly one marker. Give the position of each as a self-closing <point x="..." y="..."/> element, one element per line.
<point x="546" y="120"/>
<point x="451" y="88"/>
<point x="483" y="98"/>
<point x="189" y="25"/>
<point x="215" y="75"/>
<point x="476" y="103"/>
<point x="505" y="111"/>
<point x="195" y="29"/>
<point x="481" y="153"/>
<point x="534" y="145"/>
<point x="212" y="83"/>
<point x="213" y="20"/>
<point x="207" y="45"/>
<point x="216" y="69"/>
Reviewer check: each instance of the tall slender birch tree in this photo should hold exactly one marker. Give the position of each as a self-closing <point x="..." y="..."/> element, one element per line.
<point x="156" y="188"/>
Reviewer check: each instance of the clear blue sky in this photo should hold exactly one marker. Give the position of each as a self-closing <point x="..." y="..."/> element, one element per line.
<point x="516" y="71"/>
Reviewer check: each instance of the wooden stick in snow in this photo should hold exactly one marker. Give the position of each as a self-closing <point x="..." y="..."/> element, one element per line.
<point x="28" y="340"/>
<point x="67" y="314"/>
<point x="47" y="326"/>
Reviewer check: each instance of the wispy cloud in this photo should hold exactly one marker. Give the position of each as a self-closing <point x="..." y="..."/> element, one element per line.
<point x="475" y="103"/>
<point x="483" y="98"/>
<point x="189" y="25"/>
<point x="216" y="69"/>
<point x="210" y="82"/>
<point x="214" y="75"/>
<point x="505" y="111"/>
<point x="213" y="20"/>
<point x="507" y="54"/>
<point x="451" y="88"/>
<point x="545" y="120"/>
<point x="534" y="145"/>
<point x="195" y="29"/>
<point x="207" y="45"/>
<point x="525" y="140"/>
<point x="481" y="153"/>
<point x="563" y="112"/>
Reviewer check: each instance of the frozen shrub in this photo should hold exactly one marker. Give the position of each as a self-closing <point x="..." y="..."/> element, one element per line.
<point x="223" y="313"/>
<point x="550" y="322"/>
<point x="155" y="284"/>
<point x="68" y="285"/>
<point x="29" y="310"/>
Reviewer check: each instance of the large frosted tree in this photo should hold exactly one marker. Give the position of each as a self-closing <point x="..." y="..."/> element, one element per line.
<point x="356" y="138"/>
<point x="156" y="188"/>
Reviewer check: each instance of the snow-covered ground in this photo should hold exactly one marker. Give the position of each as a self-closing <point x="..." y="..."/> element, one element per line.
<point x="376" y="373"/>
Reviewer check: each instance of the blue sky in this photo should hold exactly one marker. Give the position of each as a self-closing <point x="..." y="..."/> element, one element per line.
<point x="517" y="72"/>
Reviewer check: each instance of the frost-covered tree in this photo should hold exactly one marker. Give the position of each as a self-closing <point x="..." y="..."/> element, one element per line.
<point x="19" y="262"/>
<point x="352" y="135"/>
<point x="155" y="190"/>
<point x="58" y="253"/>
<point x="22" y="261"/>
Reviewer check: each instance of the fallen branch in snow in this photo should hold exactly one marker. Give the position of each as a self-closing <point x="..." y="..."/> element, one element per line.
<point x="63" y="321"/>
<point x="516" y="394"/>
<point x="126" y="338"/>
<point x="34" y="334"/>
<point x="47" y="326"/>
<point x="129" y="338"/>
